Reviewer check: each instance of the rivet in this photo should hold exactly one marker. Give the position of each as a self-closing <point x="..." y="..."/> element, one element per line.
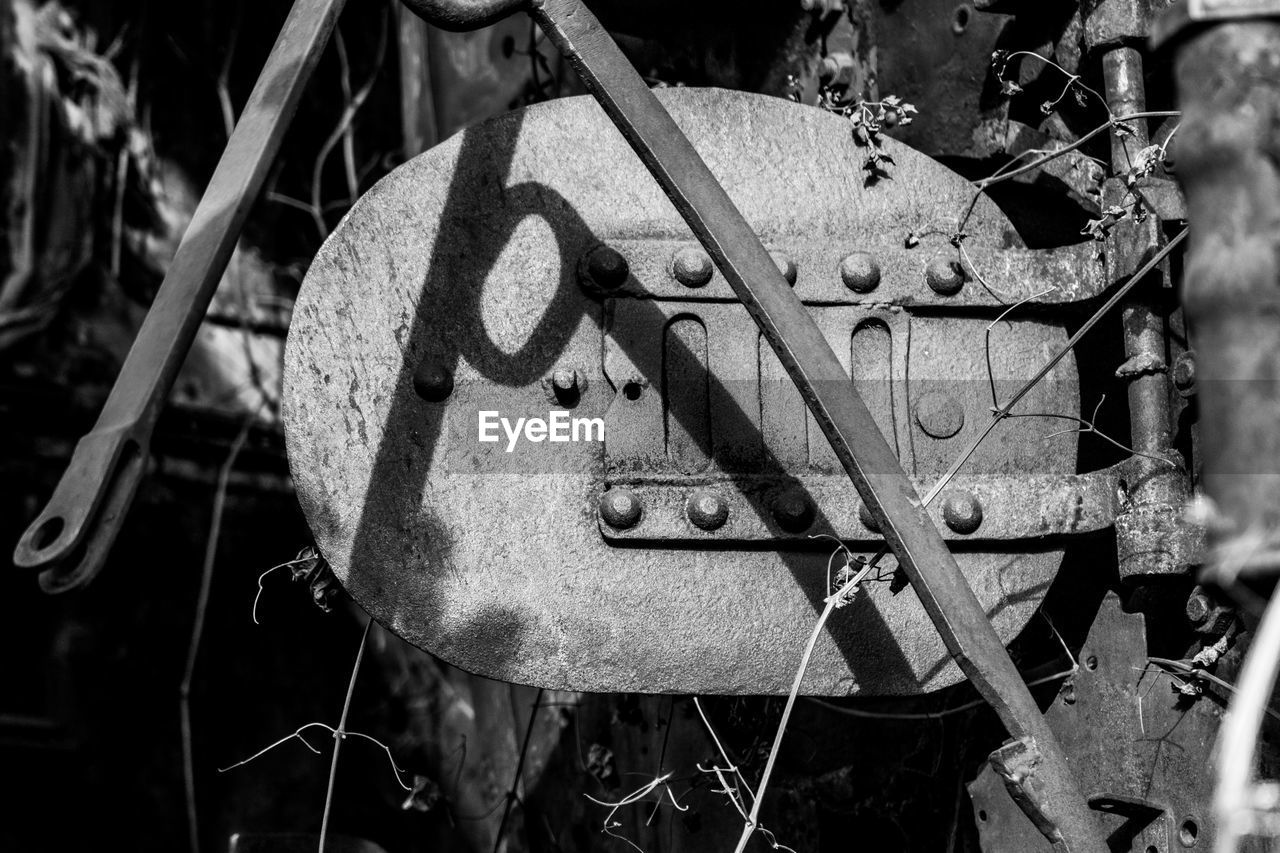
<point x="606" y="268"/>
<point x="786" y="266"/>
<point x="1069" y="693"/>
<point x="433" y="382"/>
<point x="566" y="385"/>
<point x="868" y="521"/>
<point x="939" y="414"/>
<point x="945" y="276"/>
<point x="792" y="510"/>
<point x="692" y="267"/>
<point x="620" y="508"/>
<point x="707" y="509"/>
<point x="860" y="272"/>
<point x="962" y="512"/>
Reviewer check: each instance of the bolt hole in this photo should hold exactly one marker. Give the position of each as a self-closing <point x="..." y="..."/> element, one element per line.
<point x="960" y="21"/>
<point x="48" y="533"/>
<point x="1151" y="848"/>
<point x="632" y="390"/>
<point x="508" y="47"/>
<point x="1189" y="833"/>
<point x="982" y="815"/>
<point x="1091" y="662"/>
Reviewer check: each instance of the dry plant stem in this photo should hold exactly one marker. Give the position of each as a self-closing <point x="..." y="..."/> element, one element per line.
<point x="1001" y="176"/>
<point x="197" y="631"/>
<point x="515" y="783"/>
<point x="340" y="734"/>
<point x="1000" y="414"/>
<point x="351" y="108"/>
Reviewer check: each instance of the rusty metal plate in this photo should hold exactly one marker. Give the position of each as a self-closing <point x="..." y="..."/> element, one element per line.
<point x="1138" y="748"/>
<point x="454" y="288"/>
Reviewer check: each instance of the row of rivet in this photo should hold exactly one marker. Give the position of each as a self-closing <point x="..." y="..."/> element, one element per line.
<point x="692" y="267"/>
<point x="791" y="509"/>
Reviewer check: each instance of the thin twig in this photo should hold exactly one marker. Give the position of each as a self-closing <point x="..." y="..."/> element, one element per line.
<point x="340" y="734"/>
<point x="515" y="784"/>
<point x="991" y="376"/>
<point x="197" y="631"/>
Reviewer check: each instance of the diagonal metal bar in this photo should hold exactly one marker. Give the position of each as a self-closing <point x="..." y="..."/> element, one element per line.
<point x="70" y="539"/>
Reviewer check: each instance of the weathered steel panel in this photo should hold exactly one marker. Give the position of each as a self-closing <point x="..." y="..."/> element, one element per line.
<point x="468" y="263"/>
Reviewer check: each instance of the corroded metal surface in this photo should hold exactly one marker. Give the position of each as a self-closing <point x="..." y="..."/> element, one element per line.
<point x="1010" y="275"/>
<point x="468" y="257"/>
<point x="1138" y="747"/>
<point x="1031" y="507"/>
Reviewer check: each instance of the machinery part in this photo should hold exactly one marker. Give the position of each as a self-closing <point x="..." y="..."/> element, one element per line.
<point x="1151" y="538"/>
<point x="826" y="274"/>
<point x="468" y="256"/>
<point x="989" y="508"/>
<point x="818" y="374"/>
<point x="71" y="537"/>
<point x="1138" y="747"/>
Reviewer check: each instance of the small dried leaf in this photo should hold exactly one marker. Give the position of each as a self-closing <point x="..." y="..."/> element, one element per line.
<point x="601" y="764"/>
<point x="425" y="795"/>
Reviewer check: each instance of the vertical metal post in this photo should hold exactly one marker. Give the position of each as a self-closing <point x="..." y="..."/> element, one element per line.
<point x="419" y="126"/>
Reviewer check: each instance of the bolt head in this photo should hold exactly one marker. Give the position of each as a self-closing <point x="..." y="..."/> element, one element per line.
<point x="565" y="379"/>
<point x="1184" y="372"/>
<point x="1198" y="607"/>
<point x="786" y="266"/>
<point x="860" y="272"/>
<point x="620" y="508"/>
<point x="566" y="385"/>
<point x="793" y="510"/>
<point x="939" y="414"/>
<point x="707" y="509"/>
<point x="692" y="267"/>
<point x="945" y="276"/>
<point x="433" y="382"/>
<point x="962" y="512"/>
<point x="606" y="268"/>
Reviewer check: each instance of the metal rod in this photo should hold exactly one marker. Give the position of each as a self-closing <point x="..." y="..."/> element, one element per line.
<point x="70" y="539"/>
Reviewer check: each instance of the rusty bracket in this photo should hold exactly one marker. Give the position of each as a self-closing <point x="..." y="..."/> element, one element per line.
<point x="973" y="508"/>
<point x="822" y="272"/>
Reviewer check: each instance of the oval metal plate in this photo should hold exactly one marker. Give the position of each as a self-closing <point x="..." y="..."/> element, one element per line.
<point x="468" y="258"/>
